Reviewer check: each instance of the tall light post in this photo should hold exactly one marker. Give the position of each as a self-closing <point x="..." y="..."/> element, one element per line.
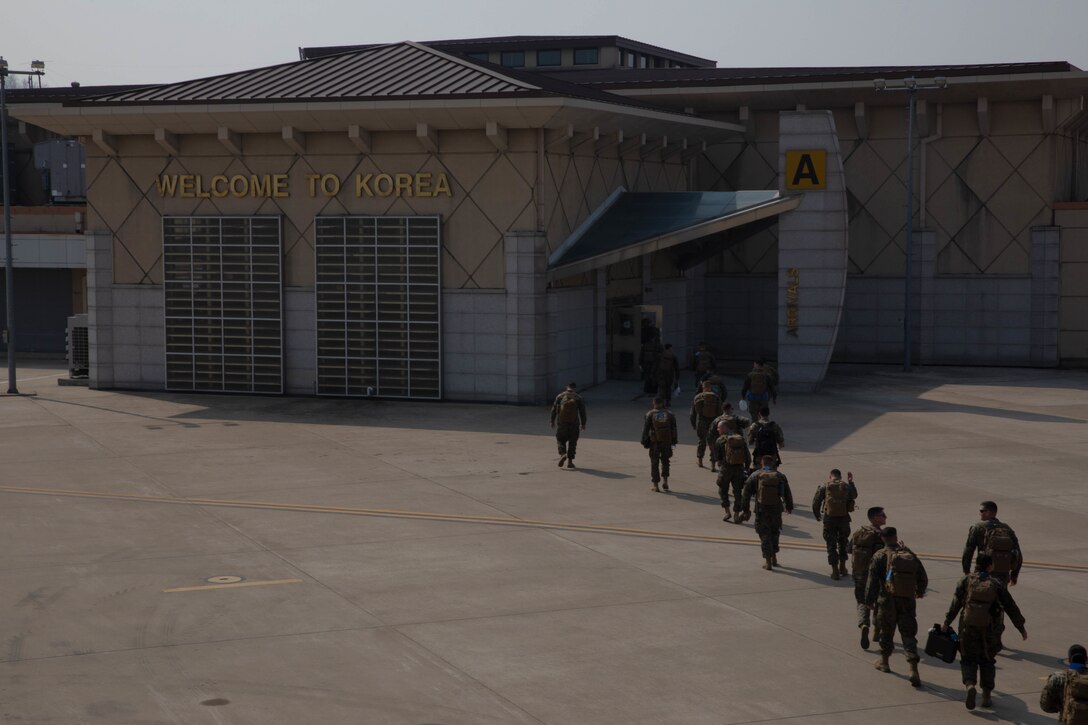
<point x="911" y="86"/>
<point x="37" y="68"/>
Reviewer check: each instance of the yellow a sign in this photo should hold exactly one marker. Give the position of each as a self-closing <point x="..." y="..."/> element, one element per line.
<point x="806" y="169"/>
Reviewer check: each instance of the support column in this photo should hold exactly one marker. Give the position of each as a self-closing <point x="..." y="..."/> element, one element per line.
<point x="100" y="309"/>
<point x="526" y="317"/>
<point x="812" y="255"/>
<point x="925" y="301"/>
<point x="1045" y="294"/>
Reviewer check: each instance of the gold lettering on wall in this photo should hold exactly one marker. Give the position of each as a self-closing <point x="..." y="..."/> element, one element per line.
<point x="793" y="296"/>
<point x="423" y="184"/>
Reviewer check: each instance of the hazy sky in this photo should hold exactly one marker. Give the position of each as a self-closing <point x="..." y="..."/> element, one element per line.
<point x="153" y="41"/>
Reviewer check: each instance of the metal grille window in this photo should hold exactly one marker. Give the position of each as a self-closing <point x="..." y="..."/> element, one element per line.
<point x="224" y="304"/>
<point x="378" y="292"/>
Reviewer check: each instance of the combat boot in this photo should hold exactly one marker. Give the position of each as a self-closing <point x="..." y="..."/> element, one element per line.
<point x="700" y="460"/>
<point x="727" y="516"/>
<point x="768" y="564"/>
<point x="570" y="463"/>
<point x="882" y="663"/>
<point x="986" y="701"/>
<point x="774" y="559"/>
<point x="842" y="569"/>
<point x="665" y="484"/>
<point x="915" y="680"/>
<point x="713" y="466"/>
<point x="655" y="489"/>
<point x="562" y="460"/>
<point x="969" y="701"/>
<point x="835" y="572"/>
<point x="865" y="637"/>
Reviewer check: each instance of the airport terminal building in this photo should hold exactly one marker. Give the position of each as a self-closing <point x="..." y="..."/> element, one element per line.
<point x="487" y="219"/>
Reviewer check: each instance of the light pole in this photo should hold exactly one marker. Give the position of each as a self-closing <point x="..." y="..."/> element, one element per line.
<point x="911" y="86"/>
<point x="37" y="68"/>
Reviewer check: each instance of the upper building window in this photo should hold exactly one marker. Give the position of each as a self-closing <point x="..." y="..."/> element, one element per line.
<point x="642" y="60"/>
<point x="586" y="56"/>
<point x="479" y="56"/>
<point x="549" y="57"/>
<point x="513" y="58"/>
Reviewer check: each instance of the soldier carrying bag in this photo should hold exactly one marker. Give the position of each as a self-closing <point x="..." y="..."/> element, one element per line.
<point x="735" y="449"/>
<point x="942" y="645"/>
<point x="568" y="409"/>
<point x="1075" y="700"/>
<point x="757" y="383"/>
<point x="836" y="499"/>
<point x="981" y="598"/>
<point x="708" y="405"/>
<point x="901" y="579"/>
<point x="999" y="546"/>
<point x="662" y="428"/>
<point x="864" y="548"/>
<point x="767" y="489"/>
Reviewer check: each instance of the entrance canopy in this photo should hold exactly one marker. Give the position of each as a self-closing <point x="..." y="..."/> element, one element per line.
<point x="631" y="224"/>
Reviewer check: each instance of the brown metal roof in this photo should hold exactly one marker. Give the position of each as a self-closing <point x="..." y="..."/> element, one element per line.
<point x="615" y="78"/>
<point x="401" y="70"/>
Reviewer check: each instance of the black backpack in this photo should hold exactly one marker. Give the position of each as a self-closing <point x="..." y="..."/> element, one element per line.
<point x="766" y="440"/>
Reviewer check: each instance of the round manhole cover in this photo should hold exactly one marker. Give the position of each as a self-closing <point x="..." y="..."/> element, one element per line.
<point x="224" y="579"/>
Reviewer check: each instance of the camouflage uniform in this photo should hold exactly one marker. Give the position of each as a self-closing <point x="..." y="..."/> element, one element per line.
<point x="758" y="400"/>
<point x="660" y="452"/>
<point x="730" y="475"/>
<point x="976" y="540"/>
<point x="739" y="422"/>
<point x="703" y="364"/>
<point x="979" y="645"/>
<point x="892" y="611"/>
<point x="836" y="528"/>
<point x="759" y="451"/>
<point x="700" y="422"/>
<point x="1052" y="698"/>
<point x="862" y="557"/>
<point x="768" y="520"/>
<point x="566" y="432"/>
<point x="665" y="372"/>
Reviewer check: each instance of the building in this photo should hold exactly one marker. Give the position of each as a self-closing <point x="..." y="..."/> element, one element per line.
<point x="488" y="218"/>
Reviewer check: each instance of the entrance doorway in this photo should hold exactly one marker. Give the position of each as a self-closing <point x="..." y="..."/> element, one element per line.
<point x="625" y="338"/>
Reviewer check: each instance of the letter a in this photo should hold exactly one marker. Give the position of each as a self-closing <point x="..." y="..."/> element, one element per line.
<point x="806" y="170"/>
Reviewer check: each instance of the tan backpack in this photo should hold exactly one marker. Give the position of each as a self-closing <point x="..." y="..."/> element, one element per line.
<point x="767" y="489"/>
<point x="662" y="427"/>
<point x="735" y="448"/>
<point x="836" y="498"/>
<point x="1075" y="700"/>
<point x="981" y="596"/>
<point x="757" y="383"/>
<point x="999" y="545"/>
<point x="866" y="542"/>
<point x="568" y="408"/>
<point x="901" y="579"/>
<point x="708" y="405"/>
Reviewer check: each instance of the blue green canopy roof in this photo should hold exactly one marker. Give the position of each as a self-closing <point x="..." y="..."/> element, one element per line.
<point x="630" y="224"/>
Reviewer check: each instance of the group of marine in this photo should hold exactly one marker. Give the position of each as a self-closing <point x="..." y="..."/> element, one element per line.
<point x="888" y="577"/>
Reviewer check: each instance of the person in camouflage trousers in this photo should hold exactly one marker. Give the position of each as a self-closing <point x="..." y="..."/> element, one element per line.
<point x="1055" y="694"/>
<point x="705" y="407"/>
<point x="659" y="437"/>
<point x="731" y="452"/>
<point x="568" y="411"/>
<point x="981" y="599"/>
<point x="739" y="421"/>
<point x="832" y="504"/>
<point x="896" y="579"/>
<point x="772" y="495"/>
<point x="863" y="545"/>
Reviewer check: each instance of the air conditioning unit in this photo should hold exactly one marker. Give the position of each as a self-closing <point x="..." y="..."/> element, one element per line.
<point x="79" y="348"/>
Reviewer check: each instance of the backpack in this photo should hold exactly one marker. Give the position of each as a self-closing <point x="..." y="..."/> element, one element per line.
<point x="757" y="383"/>
<point x="981" y="596"/>
<point x="568" y="408"/>
<point x="735" y="448"/>
<point x="836" y="499"/>
<point x="767" y="489"/>
<point x="1075" y="700"/>
<point x="998" y="544"/>
<point x="708" y="405"/>
<point x="901" y="579"/>
<point x="766" y="440"/>
<point x="662" y="427"/>
<point x="866" y="541"/>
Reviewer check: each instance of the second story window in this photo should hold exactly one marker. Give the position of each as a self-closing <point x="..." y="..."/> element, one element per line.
<point x="549" y="57"/>
<point x="513" y="58"/>
<point x="586" y="56"/>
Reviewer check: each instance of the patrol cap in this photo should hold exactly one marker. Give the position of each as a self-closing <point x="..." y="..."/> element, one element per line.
<point x="889" y="532"/>
<point x="1077" y="653"/>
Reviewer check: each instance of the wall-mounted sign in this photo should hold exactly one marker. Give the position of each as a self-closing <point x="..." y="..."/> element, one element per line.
<point x="806" y="169"/>
<point x="278" y="186"/>
<point x="793" y="296"/>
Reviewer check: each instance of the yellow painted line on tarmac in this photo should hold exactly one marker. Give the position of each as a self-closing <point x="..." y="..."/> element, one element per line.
<point x="473" y="519"/>
<point x="234" y="585"/>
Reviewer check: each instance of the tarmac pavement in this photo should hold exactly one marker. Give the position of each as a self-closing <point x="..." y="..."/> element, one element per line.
<point x="169" y="558"/>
